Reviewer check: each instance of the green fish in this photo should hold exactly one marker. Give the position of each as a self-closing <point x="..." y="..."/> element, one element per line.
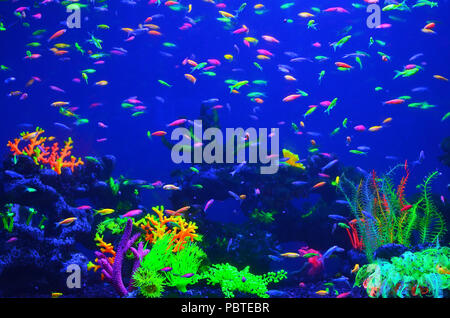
<point x="164" y="83"/>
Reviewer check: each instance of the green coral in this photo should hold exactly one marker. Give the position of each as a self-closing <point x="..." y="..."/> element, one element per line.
<point x="115" y="225"/>
<point x="231" y="279"/>
<point x="410" y="275"/>
<point x="8" y="218"/>
<point x="185" y="261"/>
<point x="263" y="217"/>
<point x="150" y="284"/>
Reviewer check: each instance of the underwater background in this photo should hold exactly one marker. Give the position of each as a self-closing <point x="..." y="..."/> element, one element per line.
<point x="119" y="82"/>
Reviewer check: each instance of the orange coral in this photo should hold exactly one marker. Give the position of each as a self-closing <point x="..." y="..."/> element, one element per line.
<point x="155" y="229"/>
<point x="45" y="155"/>
<point x="104" y="248"/>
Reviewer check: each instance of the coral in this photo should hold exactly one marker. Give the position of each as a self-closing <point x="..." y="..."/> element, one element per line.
<point x="353" y="235"/>
<point x="42" y="154"/>
<point x="156" y="228"/>
<point x="150" y="284"/>
<point x="292" y="159"/>
<point x="315" y="261"/>
<point x="383" y="216"/>
<point x="180" y="267"/>
<point x="231" y="280"/>
<point x="113" y="272"/>
<point x="410" y="275"/>
<point x="263" y="217"/>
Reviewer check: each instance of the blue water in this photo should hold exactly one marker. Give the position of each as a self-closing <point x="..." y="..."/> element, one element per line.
<point x="137" y="73"/>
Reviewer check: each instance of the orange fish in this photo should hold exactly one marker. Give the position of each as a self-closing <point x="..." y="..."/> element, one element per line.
<point x="190" y="78"/>
<point x="343" y="65"/>
<point x="318" y="185"/>
<point x="57" y="34"/>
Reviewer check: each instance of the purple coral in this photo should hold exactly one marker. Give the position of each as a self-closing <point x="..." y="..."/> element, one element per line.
<point x="113" y="274"/>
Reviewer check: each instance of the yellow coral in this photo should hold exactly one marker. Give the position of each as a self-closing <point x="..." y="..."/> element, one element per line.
<point x="293" y="158"/>
<point x="156" y="227"/>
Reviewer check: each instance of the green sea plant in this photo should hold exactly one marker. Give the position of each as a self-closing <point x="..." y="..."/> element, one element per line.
<point x="409" y="275"/>
<point x="177" y="269"/>
<point x="383" y="215"/>
<point x="231" y="280"/>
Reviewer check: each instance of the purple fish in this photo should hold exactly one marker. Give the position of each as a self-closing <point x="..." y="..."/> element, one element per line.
<point x="166" y="269"/>
<point x="12" y="239"/>
<point x="131" y="213"/>
<point x="188" y="275"/>
<point x="208" y="204"/>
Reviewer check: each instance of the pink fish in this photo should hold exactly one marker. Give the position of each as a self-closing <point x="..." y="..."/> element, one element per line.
<point x="336" y="9"/>
<point x="37" y="16"/>
<point x="241" y="30"/>
<point x="177" y="122"/>
<point x="12" y="239"/>
<point x="188" y="275"/>
<point x="317" y="44"/>
<point x="166" y="269"/>
<point x="102" y="125"/>
<point x="102" y="139"/>
<point x="221" y="5"/>
<point x="264" y="52"/>
<point x="157" y="184"/>
<point x="383" y="26"/>
<point x="208" y="204"/>
<point x="99" y="62"/>
<point x="214" y="62"/>
<point x="84" y="207"/>
<point x="360" y="128"/>
<point x="131" y="213"/>
<point x="343" y="295"/>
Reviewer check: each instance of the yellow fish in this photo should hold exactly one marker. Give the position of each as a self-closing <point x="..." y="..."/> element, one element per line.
<point x="321" y="292"/>
<point x="305" y="15"/>
<point x="104" y="211"/>
<point x="61" y="45"/>
<point x="355" y="269"/>
<point x="290" y="255"/>
<point x="226" y="14"/>
<point x="67" y="221"/>
<point x="56" y="295"/>
<point x="101" y="83"/>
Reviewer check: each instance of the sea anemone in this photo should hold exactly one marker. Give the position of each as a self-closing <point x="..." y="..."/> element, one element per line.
<point x="150" y="284"/>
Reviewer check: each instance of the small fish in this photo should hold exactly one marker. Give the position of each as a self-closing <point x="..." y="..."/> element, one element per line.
<point x="104" y="211"/>
<point x="66" y="222"/>
<point x="290" y="255"/>
<point x="208" y="204"/>
<point x="166" y="269"/>
<point x="131" y="213"/>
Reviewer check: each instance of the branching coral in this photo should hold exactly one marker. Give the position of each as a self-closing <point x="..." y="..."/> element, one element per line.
<point x="383" y="216"/>
<point x="231" y="279"/>
<point x="112" y="267"/>
<point x="42" y="154"/>
<point x="410" y="275"/>
<point x="156" y="228"/>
